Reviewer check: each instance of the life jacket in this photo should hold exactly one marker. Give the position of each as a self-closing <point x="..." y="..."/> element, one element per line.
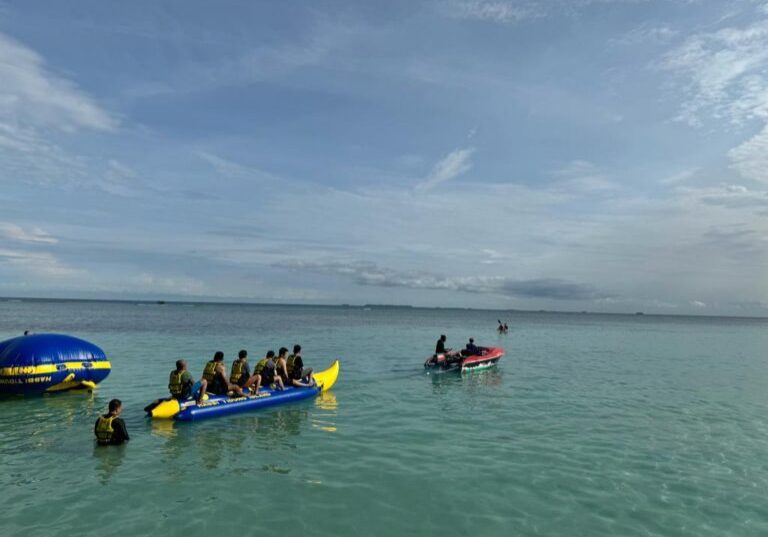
<point x="104" y="430"/>
<point x="290" y="365"/>
<point x="209" y="373"/>
<point x="267" y="373"/>
<point x="174" y="384"/>
<point x="238" y="368"/>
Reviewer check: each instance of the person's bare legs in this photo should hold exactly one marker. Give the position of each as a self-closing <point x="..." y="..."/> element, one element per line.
<point x="203" y="387"/>
<point x="254" y="379"/>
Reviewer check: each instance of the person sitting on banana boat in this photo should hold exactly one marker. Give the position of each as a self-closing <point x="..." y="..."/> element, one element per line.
<point x="180" y="383"/>
<point x="297" y="374"/>
<point x="216" y="376"/>
<point x="281" y="365"/>
<point x="241" y="373"/>
<point x="110" y="428"/>
<point x="266" y="369"/>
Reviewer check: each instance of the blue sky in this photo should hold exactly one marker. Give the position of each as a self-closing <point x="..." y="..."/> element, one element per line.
<point x="602" y="155"/>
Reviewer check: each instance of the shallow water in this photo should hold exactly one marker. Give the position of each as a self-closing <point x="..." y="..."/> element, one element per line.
<point x="591" y="425"/>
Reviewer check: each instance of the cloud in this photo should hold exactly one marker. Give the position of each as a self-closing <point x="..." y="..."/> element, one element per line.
<point x="697" y="304"/>
<point x="724" y="73"/>
<point x="499" y="11"/>
<point x="679" y="177"/>
<point x="40" y="263"/>
<point x="750" y="159"/>
<point x="267" y="62"/>
<point x="17" y="233"/>
<point x="231" y="169"/>
<point x="454" y="164"/>
<point x="644" y="34"/>
<point x="731" y="196"/>
<point x="30" y="94"/>
<point x="37" y="107"/>
<point x="370" y="274"/>
<point x="583" y="176"/>
<point x="175" y="284"/>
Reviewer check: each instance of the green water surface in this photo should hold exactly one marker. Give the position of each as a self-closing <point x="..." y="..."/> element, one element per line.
<point x="592" y="425"/>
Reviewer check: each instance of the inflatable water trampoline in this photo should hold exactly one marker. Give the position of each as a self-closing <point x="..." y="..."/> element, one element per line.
<point x="40" y="363"/>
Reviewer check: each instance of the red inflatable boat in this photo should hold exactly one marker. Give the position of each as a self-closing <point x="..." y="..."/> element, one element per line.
<point x="488" y="357"/>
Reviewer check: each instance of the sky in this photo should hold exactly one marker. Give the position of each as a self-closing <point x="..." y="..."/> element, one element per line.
<point x="600" y="155"/>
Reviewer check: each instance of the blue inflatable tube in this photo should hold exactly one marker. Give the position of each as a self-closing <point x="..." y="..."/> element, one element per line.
<point x="221" y="405"/>
<point x="41" y="363"/>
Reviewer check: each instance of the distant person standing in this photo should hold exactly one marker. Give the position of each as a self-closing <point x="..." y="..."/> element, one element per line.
<point x="110" y="428"/>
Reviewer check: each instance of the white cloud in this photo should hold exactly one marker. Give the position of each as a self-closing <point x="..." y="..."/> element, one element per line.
<point x="19" y="234"/>
<point x="175" y="284"/>
<point x="31" y="94"/>
<point x="500" y="11"/>
<point x="36" y="107"/>
<point x="40" y="263"/>
<point x="750" y="158"/>
<point x="679" y="177"/>
<point x="724" y="71"/>
<point x="582" y="176"/>
<point x="645" y="34"/>
<point x="454" y="164"/>
<point x="697" y="304"/>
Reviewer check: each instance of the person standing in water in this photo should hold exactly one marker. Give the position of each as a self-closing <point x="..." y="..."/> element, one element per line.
<point x="110" y="428"/>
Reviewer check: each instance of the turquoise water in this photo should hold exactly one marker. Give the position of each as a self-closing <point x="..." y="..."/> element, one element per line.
<point x="592" y="425"/>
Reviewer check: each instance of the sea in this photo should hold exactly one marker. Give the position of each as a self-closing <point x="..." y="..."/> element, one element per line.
<point x="591" y="425"/>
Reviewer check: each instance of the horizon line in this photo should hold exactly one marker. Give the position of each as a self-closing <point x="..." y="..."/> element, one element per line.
<point x="220" y="301"/>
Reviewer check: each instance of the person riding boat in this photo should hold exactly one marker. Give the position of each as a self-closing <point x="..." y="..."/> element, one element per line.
<point x="281" y="365"/>
<point x="110" y="428"/>
<point x="297" y="374"/>
<point x="180" y="383"/>
<point x="440" y="346"/>
<point x="267" y="371"/>
<point x="241" y="373"/>
<point x="472" y="349"/>
<point x="442" y="354"/>
<point x="216" y="377"/>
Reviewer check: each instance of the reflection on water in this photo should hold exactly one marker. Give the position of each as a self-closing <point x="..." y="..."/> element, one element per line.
<point x="225" y="439"/>
<point x="485" y="378"/>
<point x="108" y="459"/>
<point x="69" y="406"/>
<point x="325" y="421"/>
